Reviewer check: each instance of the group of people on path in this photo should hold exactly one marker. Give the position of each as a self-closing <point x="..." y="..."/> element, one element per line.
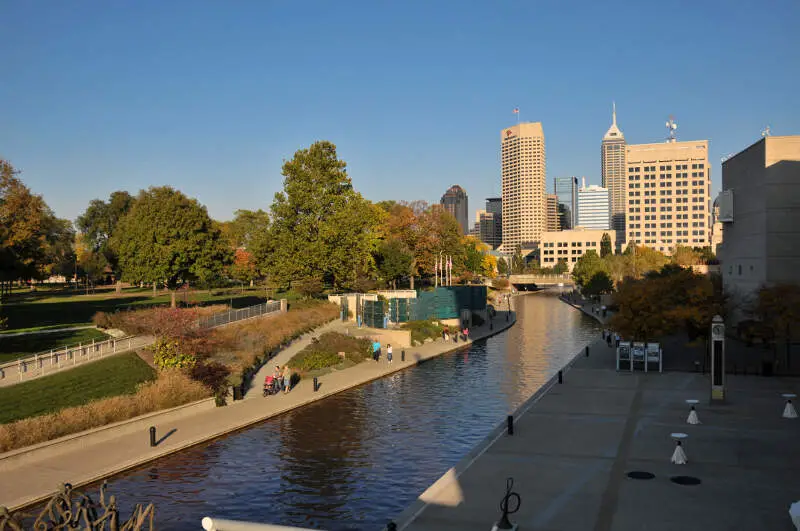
<point x="446" y="334"/>
<point x="612" y="339"/>
<point x="376" y="351"/>
<point x="283" y="378"/>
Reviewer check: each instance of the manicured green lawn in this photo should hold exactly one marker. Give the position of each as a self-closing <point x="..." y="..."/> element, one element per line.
<point x="68" y="308"/>
<point x="13" y="347"/>
<point x="117" y="375"/>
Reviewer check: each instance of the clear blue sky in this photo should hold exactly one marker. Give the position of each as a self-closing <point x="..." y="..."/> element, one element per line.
<point x="211" y="96"/>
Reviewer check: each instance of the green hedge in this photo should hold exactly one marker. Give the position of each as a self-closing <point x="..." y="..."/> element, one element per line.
<point x="422" y="330"/>
<point x="324" y="351"/>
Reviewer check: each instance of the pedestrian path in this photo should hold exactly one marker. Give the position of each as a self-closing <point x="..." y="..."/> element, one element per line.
<point x="575" y="443"/>
<point x="105" y="454"/>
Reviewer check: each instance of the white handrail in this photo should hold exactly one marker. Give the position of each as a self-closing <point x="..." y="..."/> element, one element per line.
<point x="218" y="524"/>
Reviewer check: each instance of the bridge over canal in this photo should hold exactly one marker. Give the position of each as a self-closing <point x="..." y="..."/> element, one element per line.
<point x="532" y="282"/>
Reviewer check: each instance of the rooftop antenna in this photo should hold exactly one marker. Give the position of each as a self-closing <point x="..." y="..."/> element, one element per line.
<point x="766" y="132"/>
<point x="671" y="127"/>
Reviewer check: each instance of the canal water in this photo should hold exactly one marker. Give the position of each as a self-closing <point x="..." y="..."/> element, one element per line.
<point x="356" y="459"/>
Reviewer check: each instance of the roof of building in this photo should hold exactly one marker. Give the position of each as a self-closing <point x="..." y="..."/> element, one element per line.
<point x="613" y="132"/>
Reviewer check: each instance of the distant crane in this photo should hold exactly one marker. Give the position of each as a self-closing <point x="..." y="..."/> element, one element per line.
<point x="671" y="127"/>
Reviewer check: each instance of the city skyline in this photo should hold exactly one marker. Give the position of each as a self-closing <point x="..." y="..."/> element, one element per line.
<point x="208" y="99"/>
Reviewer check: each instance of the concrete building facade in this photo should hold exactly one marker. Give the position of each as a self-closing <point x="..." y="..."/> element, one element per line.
<point x="551" y="202"/>
<point x="569" y="245"/>
<point x="668" y="193"/>
<point x="759" y="208"/>
<point x="456" y="202"/>
<point x="523" y="184"/>
<point x="593" y="207"/>
<point x="614" y="177"/>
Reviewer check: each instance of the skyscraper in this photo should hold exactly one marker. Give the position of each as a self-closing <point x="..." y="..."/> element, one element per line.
<point x="593" y="207"/>
<point x="455" y="201"/>
<point x="492" y="223"/>
<point x="523" y="184"/>
<point x="566" y="188"/>
<point x="553" y="223"/>
<point x="668" y="193"/>
<point x="612" y="153"/>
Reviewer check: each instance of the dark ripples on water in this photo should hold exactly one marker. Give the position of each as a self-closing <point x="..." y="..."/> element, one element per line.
<point x="354" y="460"/>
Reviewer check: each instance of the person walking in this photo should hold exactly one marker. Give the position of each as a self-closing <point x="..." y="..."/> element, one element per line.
<point x="389" y="353"/>
<point x="277" y="377"/>
<point x="287" y="379"/>
<point x="376" y="350"/>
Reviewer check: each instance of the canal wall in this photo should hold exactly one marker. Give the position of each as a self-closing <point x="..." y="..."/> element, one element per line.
<point x="90" y="457"/>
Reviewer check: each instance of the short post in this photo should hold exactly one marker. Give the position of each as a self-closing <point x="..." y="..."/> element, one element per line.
<point x="316" y="384"/>
<point x="561" y="377"/>
<point x="391" y="526"/>
<point x="587" y="351"/>
<point x="510" y="423"/>
<point x="152" y="436"/>
<point x="402" y="355"/>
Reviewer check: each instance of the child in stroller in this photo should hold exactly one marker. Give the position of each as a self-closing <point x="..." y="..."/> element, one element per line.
<point x="270" y="386"/>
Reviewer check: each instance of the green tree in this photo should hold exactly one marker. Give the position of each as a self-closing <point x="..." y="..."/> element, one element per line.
<point x="685" y="256"/>
<point x="561" y="267"/>
<point x="99" y="223"/>
<point x="502" y="266"/>
<point x="473" y="258"/>
<point x="517" y="262"/>
<point x="644" y="259"/>
<point x="320" y="224"/>
<point x="30" y="235"/>
<point x="586" y="267"/>
<point x="394" y="261"/>
<point x="597" y="285"/>
<point x="168" y="238"/>
<point x="605" y="246"/>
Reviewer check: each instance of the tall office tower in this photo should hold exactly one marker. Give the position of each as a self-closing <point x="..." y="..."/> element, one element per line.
<point x="566" y="188"/>
<point x="552" y="212"/>
<point x="455" y="201"/>
<point x="612" y="152"/>
<point x="668" y="192"/>
<point x="494" y="207"/>
<point x="523" y="184"/>
<point x="593" y="207"/>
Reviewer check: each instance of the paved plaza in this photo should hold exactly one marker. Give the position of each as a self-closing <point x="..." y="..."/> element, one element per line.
<point x="572" y="450"/>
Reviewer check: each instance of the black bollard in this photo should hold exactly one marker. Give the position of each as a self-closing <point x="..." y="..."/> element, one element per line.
<point x="587" y="351"/>
<point x="506" y="317"/>
<point x="402" y="355"/>
<point x="391" y="526"/>
<point x="491" y="325"/>
<point x="152" y="435"/>
<point x="316" y="384"/>
<point x="510" y="421"/>
<point x="560" y="377"/>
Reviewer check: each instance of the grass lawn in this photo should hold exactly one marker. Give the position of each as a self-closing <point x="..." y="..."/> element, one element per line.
<point x="113" y="376"/>
<point x="14" y="347"/>
<point x="67" y="307"/>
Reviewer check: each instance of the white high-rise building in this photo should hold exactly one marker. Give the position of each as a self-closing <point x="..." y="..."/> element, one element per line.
<point x="523" y="184"/>
<point x="593" y="207"/>
<point x="614" y="175"/>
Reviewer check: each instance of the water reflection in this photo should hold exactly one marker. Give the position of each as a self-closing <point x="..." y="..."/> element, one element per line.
<point x="356" y="459"/>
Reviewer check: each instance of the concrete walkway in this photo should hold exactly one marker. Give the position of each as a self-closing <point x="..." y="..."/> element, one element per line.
<point x="48" y="331"/>
<point x="105" y="455"/>
<point x="575" y="443"/>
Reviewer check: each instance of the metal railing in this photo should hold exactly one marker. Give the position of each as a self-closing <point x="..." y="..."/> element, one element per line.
<point x="231" y="316"/>
<point x="55" y="360"/>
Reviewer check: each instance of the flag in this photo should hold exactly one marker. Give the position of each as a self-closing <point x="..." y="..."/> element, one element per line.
<point x="516" y="110"/>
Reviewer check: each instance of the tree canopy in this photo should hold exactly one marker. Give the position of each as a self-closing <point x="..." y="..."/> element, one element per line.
<point x="99" y="223"/>
<point x="168" y="238"/>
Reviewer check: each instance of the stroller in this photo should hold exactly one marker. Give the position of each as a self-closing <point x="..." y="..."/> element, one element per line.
<point x="270" y="386"/>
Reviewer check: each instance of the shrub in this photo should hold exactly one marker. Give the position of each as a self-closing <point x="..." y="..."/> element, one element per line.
<point x="500" y="283"/>
<point x="324" y="352"/>
<point x="212" y="374"/>
<point x="102" y="320"/>
<point x="311" y="360"/>
<point x="172" y="388"/>
<point x="422" y="330"/>
<point x="172" y="354"/>
<point x="308" y="287"/>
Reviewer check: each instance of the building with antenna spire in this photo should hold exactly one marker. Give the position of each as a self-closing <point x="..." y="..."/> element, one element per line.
<point x="612" y="152"/>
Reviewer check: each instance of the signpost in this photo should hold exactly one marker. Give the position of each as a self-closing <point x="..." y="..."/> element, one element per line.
<point x="717" y="359"/>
